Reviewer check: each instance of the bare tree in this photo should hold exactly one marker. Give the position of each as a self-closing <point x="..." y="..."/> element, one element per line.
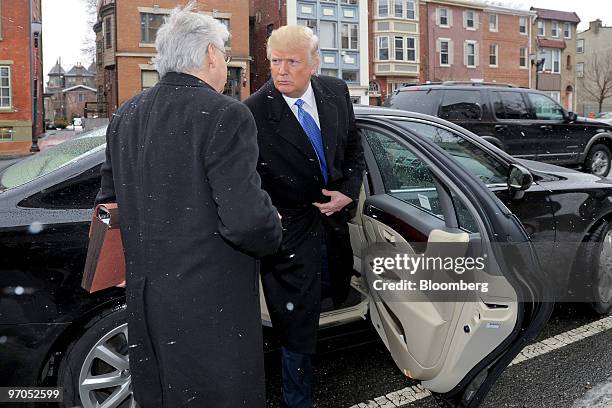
<point x="598" y="77"/>
<point x="88" y="47"/>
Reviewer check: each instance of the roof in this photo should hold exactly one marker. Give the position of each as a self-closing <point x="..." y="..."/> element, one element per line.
<point x="57" y="69"/>
<point x="73" y="88"/>
<point x="557" y="15"/>
<point x="544" y="43"/>
<point x="79" y="70"/>
<point x="92" y="68"/>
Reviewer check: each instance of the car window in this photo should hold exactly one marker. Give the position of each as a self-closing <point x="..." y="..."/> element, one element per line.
<point x="52" y="159"/>
<point x="509" y="105"/>
<point x="404" y="175"/>
<point x="471" y="157"/>
<point x="414" y="100"/>
<point x="545" y="108"/>
<point x="461" y="105"/>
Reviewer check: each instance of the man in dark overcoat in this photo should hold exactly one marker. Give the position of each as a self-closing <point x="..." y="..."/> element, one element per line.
<point x="311" y="163"/>
<point x="181" y="163"/>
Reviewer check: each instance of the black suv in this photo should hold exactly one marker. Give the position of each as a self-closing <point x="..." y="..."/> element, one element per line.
<point x="524" y="122"/>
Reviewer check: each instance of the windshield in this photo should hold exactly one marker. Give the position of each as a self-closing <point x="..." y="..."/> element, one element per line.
<point x="52" y="159"/>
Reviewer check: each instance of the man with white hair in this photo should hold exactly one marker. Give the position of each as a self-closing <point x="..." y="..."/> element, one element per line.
<point x="311" y="163"/>
<point x="181" y="164"/>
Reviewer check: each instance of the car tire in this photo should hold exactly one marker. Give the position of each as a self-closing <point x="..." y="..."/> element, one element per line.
<point x="599" y="253"/>
<point x="598" y="160"/>
<point x="100" y="350"/>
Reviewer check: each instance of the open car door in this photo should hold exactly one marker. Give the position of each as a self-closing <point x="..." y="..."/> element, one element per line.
<point x="419" y="199"/>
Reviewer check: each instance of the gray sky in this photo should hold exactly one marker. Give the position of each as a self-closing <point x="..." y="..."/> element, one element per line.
<point x="65" y="27"/>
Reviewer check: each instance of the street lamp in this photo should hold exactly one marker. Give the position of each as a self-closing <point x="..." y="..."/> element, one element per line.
<point x="538" y="64"/>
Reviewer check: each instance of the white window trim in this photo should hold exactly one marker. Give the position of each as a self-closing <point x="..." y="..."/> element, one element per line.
<point x="449" y="50"/>
<point x="10" y="88"/>
<point x="552" y="62"/>
<point x="582" y="40"/>
<point x="496" y="29"/>
<point x="416" y="49"/>
<point x="496" y="65"/>
<point x="543" y="28"/>
<point x="439" y="17"/>
<point x="552" y="29"/>
<point x="580" y="71"/>
<point x="403" y="4"/>
<point x="570" y="31"/>
<point x="378" y="9"/>
<point x="526" y="66"/>
<point x="474" y="20"/>
<point x="526" y="25"/>
<point x="476" y="53"/>
<point x="395" y="38"/>
<point x="415" y="9"/>
<point x="378" y="48"/>
<point x="349" y="36"/>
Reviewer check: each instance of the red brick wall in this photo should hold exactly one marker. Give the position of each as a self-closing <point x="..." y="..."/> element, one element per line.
<point x="424" y="46"/>
<point x="74" y="107"/>
<point x="509" y="42"/>
<point x="264" y="12"/>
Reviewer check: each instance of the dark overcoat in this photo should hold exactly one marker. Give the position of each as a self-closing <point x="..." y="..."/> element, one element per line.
<point x="181" y="163"/>
<point x="291" y="174"/>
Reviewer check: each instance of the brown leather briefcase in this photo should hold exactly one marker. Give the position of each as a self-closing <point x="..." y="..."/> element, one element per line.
<point x="105" y="264"/>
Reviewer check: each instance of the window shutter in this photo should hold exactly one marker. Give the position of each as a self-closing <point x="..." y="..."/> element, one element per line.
<point x="465" y="19"/>
<point x="465" y="53"/>
<point x="450" y="17"/>
<point x="438" y="45"/>
<point x="476" y="54"/>
<point x="438" y="16"/>
<point x="451" y="52"/>
<point x="476" y="20"/>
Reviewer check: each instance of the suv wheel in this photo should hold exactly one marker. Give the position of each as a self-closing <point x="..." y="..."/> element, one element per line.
<point x="600" y="255"/>
<point x="95" y="370"/>
<point x="598" y="160"/>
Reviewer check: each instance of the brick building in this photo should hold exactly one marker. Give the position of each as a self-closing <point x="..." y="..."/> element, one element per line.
<point x="554" y="41"/>
<point x="64" y="83"/>
<point x="21" y="76"/>
<point x="75" y="99"/>
<point x="342" y="27"/>
<point x="125" y="43"/>
<point x="474" y="41"/>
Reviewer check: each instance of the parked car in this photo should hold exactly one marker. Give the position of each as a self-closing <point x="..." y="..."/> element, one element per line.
<point x="523" y="122"/>
<point x="605" y="117"/>
<point x="427" y="178"/>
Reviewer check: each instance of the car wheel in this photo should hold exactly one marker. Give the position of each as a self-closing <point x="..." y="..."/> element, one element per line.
<point x="598" y="160"/>
<point x="95" y="370"/>
<point x="599" y="252"/>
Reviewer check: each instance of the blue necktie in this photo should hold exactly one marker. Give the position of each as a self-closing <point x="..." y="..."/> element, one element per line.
<point x="314" y="135"/>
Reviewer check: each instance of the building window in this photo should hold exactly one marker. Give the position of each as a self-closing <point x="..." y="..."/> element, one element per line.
<point x="148" y="79"/>
<point x="6" y="133"/>
<point x="81" y="98"/>
<point x="523" y="25"/>
<point x="383" y="8"/>
<point x="329" y="72"/>
<point x="374" y="88"/>
<point x="349" y="36"/>
<point x="569" y="62"/>
<point x="399" y="48"/>
<point x="312" y="24"/>
<point x="149" y="24"/>
<point x="541" y="29"/>
<point x="108" y="34"/>
<point x="493" y="22"/>
<point x="523" y="57"/>
<point x="493" y="55"/>
<point x="383" y="48"/>
<point x="444" y="53"/>
<point x="469" y="20"/>
<point x="554" y="29"/>
<point x="580" y="70"/>
<point x="351" y="2"/>
<point x="328" y="35"/>
<point x="580" y="46"/>
<point x="5" y="87"/>
<point x="411" y="49"/>
<point x="350" y="76"/>
<point x="226" y="23"/>
<point x="410" y="10"/>
<point x="443" y="17"/>
<point x="398" y="8"/>
<point x="567" y="30"/>
<point x="470" y="54"/>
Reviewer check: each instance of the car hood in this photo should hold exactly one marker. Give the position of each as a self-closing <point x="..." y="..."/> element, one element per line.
<point x="549" y="173"/>
<point x="603" y="123"/>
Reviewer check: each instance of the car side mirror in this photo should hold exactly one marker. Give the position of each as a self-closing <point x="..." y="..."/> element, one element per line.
<point x="519" y="180"/>
<point x="571" y="117"/>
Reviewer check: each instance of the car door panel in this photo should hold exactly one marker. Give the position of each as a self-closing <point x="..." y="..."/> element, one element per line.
<point x="442" y="343"/>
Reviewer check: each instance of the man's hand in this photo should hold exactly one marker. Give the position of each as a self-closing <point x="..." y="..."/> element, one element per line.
<point x="121" y="285"/>
<point x="338" y="202"/>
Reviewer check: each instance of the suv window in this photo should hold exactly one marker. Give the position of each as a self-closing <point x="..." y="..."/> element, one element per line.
<point x="545" y="108"/>
<point x="509" y="105"/>
<point x="415" y="100"/>
<point x="461" y="105"/>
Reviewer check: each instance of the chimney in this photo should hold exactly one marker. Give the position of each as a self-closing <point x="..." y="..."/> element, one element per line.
<point x="595" y="26"/>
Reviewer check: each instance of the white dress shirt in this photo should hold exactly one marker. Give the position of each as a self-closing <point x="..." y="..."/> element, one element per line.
<point x="310" y="104"/>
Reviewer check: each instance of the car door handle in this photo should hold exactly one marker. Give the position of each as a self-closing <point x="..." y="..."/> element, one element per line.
<point x="389" y="237"/>
<point x="546" y="127"/>
<point x="501" y="128"/>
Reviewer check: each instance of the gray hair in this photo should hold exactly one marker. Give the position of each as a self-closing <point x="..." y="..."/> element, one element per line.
<point x="182" y="41"/>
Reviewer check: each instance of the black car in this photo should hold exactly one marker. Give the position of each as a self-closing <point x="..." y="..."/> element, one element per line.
<point x="523" y="122"/>
<point x="427" y="180"/>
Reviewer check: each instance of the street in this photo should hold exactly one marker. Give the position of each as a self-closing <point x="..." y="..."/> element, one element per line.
<point x="358" y="372"/>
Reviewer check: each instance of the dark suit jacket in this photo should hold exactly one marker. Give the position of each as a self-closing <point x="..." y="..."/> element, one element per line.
<point x="180" y="162"/>
<point x="291" y="174"/>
